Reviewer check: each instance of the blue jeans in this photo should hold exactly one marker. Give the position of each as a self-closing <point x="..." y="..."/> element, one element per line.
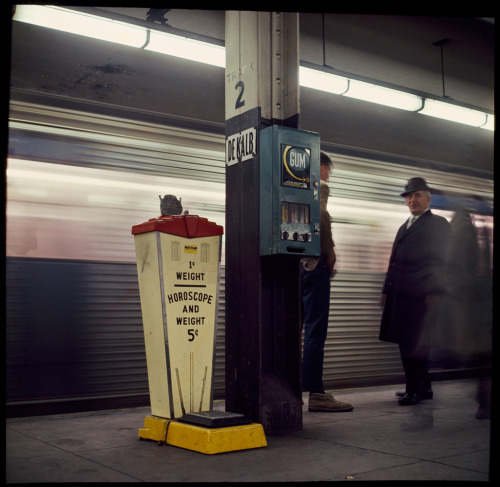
<point x="316" y="302"/>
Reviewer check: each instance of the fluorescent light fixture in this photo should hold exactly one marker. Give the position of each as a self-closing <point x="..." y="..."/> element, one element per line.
<point x="319" y="80"/>
<point x="185" y="48"/>
<point x="81" y="24"/>
<point x="383" y="96"/>
<point x="361" y="90"/>
<point x="454" y="113"/>
<point x="122" y="33"/>
<point x="340" y="85"/>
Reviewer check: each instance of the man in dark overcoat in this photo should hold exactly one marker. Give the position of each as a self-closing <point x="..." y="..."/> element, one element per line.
<point x="413" y="288"/>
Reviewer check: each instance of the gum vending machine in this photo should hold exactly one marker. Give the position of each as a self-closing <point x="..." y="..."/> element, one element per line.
<point x="289" y="192"/>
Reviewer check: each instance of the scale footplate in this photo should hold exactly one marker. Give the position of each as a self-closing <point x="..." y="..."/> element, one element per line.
<point x="214" y="419"/>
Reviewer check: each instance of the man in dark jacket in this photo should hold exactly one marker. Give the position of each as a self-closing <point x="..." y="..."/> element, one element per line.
<point x="316" y="273"/>
<point x="413" y="288"/>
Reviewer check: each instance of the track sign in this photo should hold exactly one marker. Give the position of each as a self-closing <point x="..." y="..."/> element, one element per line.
<point x="241" y="147"/>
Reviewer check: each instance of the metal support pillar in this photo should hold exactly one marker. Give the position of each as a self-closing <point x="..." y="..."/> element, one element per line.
<point x="263" y="312"/>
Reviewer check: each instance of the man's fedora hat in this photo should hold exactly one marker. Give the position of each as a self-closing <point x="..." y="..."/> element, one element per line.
<point x="415" y="184"/>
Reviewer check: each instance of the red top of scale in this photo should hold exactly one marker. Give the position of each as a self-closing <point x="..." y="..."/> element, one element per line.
<point x="183" y="225"/>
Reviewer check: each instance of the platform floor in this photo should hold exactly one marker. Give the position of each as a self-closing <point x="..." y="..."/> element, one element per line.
<point x="438" y="439"/>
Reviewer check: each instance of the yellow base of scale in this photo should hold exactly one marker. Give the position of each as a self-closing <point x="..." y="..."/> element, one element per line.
<point x="202" y="439"/>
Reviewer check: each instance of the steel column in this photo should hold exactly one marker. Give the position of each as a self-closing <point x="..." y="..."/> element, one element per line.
<point x="262" y="293"/>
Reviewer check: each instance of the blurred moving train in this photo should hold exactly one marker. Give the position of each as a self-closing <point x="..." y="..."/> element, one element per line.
<point x="78" y="180"/>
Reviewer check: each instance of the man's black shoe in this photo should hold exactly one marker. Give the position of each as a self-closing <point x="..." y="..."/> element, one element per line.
<point x="427" y="394"/>
<point x="409" y="400"/>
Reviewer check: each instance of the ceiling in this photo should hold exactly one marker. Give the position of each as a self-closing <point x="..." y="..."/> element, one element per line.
<point x="393" y="49"/>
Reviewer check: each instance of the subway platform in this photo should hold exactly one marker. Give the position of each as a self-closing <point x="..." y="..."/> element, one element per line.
<point x="438" y="439"/>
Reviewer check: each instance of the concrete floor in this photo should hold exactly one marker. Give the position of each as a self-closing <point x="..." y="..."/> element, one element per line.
<point x="438" y="439"/>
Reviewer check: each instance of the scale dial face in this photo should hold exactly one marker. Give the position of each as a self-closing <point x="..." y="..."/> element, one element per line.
<point x="170" y="205"/>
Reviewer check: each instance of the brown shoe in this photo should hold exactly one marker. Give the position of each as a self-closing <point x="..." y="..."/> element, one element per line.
<point x="326" y="403"/>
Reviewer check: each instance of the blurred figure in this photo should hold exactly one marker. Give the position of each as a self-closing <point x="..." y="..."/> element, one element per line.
<point x="456" y="321"/>
<point x="465" y="324"/>
<point x="316" y="273"/>
<point x="413" y="288"/>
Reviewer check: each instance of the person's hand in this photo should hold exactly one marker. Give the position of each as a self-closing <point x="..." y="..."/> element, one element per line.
<point x="330" y="263"/>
